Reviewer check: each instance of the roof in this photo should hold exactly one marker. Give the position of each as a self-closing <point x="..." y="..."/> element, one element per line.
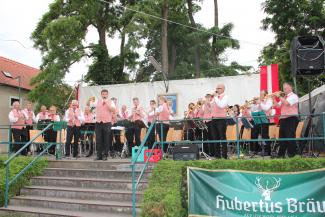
<point x="16" y="69"/>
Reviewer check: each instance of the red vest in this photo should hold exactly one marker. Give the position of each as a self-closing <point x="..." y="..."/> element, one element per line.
<point x="88" y="118"/>
<point x="218" y="112"/>
<point x="164" y="114"/>
<point x="29" y="120"/>
<point x="103" y="114"/>
<point x="18" y="124"/>
<point x="288" y="110"/>
<point x="73" y="120"/>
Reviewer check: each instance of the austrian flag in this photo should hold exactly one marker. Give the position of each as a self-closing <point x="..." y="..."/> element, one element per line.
<point x="269" y="76"/>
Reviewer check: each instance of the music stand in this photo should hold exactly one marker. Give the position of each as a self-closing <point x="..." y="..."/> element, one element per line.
<point x="202" y="126"/>
<point x="260" y="118"/>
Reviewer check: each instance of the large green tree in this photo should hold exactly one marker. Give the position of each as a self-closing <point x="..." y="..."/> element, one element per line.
<point x="288" y="19"/>
<point x="60" y="36"/>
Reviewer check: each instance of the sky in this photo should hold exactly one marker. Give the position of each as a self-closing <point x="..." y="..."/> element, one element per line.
<point x="19" y="18"/>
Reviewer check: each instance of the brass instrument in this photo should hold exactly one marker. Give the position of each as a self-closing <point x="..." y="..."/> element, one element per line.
<point x="247" y="103"/>
<point x="276" y="94"/>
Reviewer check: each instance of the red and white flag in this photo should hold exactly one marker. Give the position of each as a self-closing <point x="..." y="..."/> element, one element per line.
<point x="269" y="76"/>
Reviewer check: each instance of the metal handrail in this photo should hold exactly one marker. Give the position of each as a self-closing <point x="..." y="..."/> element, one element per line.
<point x="133" y="165"/>
<point x="7" y="162"/>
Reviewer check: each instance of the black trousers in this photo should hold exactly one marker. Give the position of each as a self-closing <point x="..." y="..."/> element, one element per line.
<point x="117" y="146"/>
<point x="152" y="137"/>
<point x="51" y="138"/>
<point x="263" y="130"/>
<point x="19" y="140"/>
<point x="135" y="135"/>
<point x="72" y="132"/>
<point x="189" y="134"/>
<point x="209" y="147"/>
<point x="103" y="139"/>
<point x="218" y="129"/>
<point x="288" y="128"/>
<point x="163" y="138"/>
<point x="88" y="142"/>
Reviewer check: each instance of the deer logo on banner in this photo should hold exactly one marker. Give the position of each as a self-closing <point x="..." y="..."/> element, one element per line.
<point x="267" y="187"/>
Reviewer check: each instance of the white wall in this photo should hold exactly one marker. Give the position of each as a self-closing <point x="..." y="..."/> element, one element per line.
<point x="238" y="88"/>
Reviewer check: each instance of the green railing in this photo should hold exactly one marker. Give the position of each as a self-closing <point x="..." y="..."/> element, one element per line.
<point x="136" y="182"/>
<point x="11" y="156"/>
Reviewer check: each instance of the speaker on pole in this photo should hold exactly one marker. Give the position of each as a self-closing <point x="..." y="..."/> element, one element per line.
<point x="307" y="55"/>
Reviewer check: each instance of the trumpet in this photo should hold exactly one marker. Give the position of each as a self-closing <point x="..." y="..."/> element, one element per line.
<point x="276" y="94"/>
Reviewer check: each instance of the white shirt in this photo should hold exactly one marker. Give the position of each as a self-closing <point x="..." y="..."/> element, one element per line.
<point x="266" y="105"/>
<point x="221" y="103"/>
<point x="57" y="118"/>
<point x="38" y="118"/>
<point x="291" y="98"/>
<point x="81" y="116"/>
<point x="25" y="112"/>
<point x="160" y="109"/>
<point x="12" y="118"/>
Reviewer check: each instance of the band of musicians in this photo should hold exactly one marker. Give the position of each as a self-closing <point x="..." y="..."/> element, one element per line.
<point x="97" y="130"/>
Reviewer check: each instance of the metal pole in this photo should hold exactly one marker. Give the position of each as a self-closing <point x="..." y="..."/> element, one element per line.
<point x="134" y="213"/>
<point x="237" y="138"/>
<point x="161" y="136"/>
<point x="7" y="184"/>
<point x="10" y="141"/>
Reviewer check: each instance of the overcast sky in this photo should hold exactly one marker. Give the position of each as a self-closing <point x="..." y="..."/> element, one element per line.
<point x="19" y="18"/>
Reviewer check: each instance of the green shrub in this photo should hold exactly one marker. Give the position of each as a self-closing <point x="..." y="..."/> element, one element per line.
<point x="15" y="167"/>
<point x="166" y="195"/>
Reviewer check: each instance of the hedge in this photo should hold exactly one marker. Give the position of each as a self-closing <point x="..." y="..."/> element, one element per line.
<point x="15" y="167"/>
<point x="166" y="195"/>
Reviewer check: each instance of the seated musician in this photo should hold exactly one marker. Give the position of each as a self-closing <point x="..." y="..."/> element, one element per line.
<point x="30" y="118"/>
<point x="116" y="134"/>
<point x="163" y="115"/>
<point x="74" y="117"/>
<point x="151" y="118"/>
<point x="42" y="115"/>
<point x="51" y="134"/>
<point x="88" y="126"/>
<point x="189" y="127"/>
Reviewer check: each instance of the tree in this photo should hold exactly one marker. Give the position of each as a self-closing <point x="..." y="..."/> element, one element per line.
<point x="60" y="36"/>
<point x="216" y="25"/>
<point x="288" y="19"/>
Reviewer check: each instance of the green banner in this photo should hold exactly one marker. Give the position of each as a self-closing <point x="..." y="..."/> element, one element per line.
<point x="229" y="193"/>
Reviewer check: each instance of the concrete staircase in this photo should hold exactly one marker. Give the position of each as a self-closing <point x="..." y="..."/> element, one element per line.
<point x="80" y="188"/>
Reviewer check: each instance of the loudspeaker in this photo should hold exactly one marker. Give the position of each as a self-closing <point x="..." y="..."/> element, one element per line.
<point x="307" y="55"/>
<point x="186" y="152"/>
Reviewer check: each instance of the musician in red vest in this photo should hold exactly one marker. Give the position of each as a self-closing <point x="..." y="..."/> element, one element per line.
<point x="74" y="117"/>
<point x="137" y="117"/>
<point x="207" y="115"/>
<point x="17" y="121"/>
<point x="42" y="115"/>
<point x="163" y="114"/>
<point x="219" y="126"/>
<point x="288" y="120"/>
<point x="30" y="119"/>
<point x="51" y="134"/>
<point x="151" y="118"/>
<point x="105" y="109"/>
<point x="89" y="119"/>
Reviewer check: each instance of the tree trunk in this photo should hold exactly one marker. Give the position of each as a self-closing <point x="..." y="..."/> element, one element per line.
<point x="164" y="38"/>
<point x="173" y="59"/>
<point x="197" y="49"/>
<point x="214" y="40"/>
<point x="122" y="60"/>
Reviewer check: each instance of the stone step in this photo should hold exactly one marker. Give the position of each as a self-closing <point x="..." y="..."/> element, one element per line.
<point x="90" y="164"/>
<point x="94" y="183"/>
<point x="91" y="173"/>
<point x="73" y="204"/>
<point x="22" y="211"/>
<point x="80" y="193"/>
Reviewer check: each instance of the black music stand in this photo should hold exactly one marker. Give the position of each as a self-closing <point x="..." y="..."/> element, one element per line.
<point x="202" y="126"/>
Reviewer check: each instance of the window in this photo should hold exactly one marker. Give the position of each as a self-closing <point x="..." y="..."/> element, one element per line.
<point x="12" y="99"/>
<point x="7" y="74"/>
